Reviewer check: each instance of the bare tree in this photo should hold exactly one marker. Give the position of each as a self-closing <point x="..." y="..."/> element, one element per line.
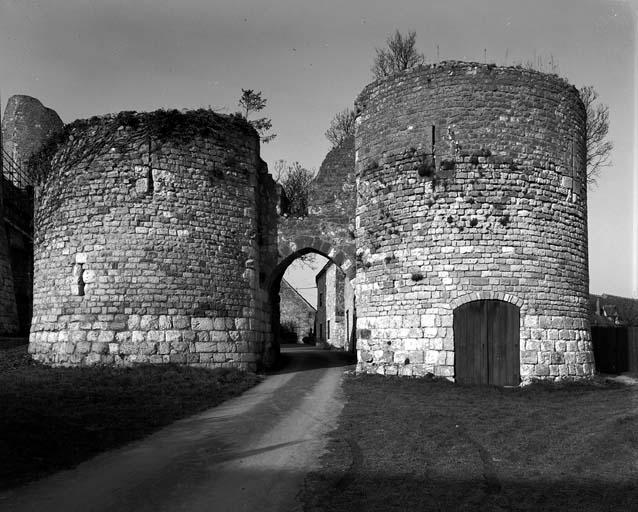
<point x="597" y="127"/>
<point x="296" y="181"/>
<point x="341" y="127"/>
<point x="400" y="54"/>
<point x="251" y="102"/>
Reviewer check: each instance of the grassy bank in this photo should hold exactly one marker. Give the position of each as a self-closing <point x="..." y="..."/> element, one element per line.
<point x="54" y="418"/>
<point x="406" y="444"/>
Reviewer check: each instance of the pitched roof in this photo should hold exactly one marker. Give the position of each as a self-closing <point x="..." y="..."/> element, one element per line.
<point x="610" y="310"/>
<point x="293" y="290"/>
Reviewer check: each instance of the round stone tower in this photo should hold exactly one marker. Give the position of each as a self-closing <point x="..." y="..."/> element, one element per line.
<point x="472" y="225"/>
<point x="153" y="236"/>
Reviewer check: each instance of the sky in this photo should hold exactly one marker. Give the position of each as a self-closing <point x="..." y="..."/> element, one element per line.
<point x="311" y="59"/>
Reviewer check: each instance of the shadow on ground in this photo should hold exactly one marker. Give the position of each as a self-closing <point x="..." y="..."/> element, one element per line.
<point x="387" y="492"/>
<point x="296" y="358"/>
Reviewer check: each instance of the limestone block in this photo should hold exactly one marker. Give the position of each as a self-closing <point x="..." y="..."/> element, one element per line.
<point x="83" y="347"/>
<point x="122" y="337"/>
<point x="173" y="336"/>
<point x="92" y="359"/>
<point x="165" y="323"/>
<point x="106" y="336"/>
<point x="133" y="322"/>
<point x="149" y="322"/>
<point x="77" y="336"/>
<point x="428" y="320"/>
<point x="431" y="357"/>
<point x="206" y="347"/>
<point x="542" y="370"/>
<point x="100" y="348"/>
<point x="178" y="347"/>
<point x="147" y="348"/>
<point x="138" y="336"/>
<point x="181" y="322"/>
<point x="155" y="336"/>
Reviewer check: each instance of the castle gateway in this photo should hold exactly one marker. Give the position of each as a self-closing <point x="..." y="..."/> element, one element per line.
<point x="470" y="231"/>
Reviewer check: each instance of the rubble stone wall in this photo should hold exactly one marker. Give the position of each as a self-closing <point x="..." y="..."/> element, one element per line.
<point x="153" y="244"/>
<point x="471" y="185"/>
<point x="296" y="311"/>
<point x="26" y="126"/>
<point x="8" y="310"/>
<point x="329" y="226"/>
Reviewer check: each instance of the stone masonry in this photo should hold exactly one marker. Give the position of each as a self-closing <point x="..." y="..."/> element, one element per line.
<point x="328" y="229"/>
<point x="158" y="240"/>
<point x="8" y="310"/>
<point x="329" y="226"/>
<point x="334" y="292"/>
<point x="154" y="236"/>
<point x="26" y="125"/>
<point x="471" y="185"/>
<point x="296" y="312"/>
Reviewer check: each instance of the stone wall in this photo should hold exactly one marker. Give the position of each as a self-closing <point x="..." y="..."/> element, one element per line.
<point x="26" y="126"/>
<point x="329" y="226"/>
<point x="334" y="289"/>
<point x="153" y="242"/>
<point x="20" y="247"/>
<point x="328" y="229"/>
<point x="350" y="316"/>
<point x="8" y="311"/>
<point x="296" y="311"/>
<point x="321" y="316"/>
<point x="471" y="185"/>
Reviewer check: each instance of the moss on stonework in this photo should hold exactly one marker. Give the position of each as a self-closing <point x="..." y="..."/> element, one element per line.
<point x="160" y="125"/>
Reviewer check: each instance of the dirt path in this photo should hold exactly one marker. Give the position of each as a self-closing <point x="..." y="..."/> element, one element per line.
<point x="251" y="453"/>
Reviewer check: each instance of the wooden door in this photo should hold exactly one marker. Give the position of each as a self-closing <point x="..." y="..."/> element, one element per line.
<point x="470" y="344"/>
<point x="486" y="343"/>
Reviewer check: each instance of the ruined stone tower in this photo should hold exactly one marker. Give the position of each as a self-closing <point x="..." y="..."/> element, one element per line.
<point x="154" y="234"/>
<point x="472" y="225"/>
<point x="26" y="126"/>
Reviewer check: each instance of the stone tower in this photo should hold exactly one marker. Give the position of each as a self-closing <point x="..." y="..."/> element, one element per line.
<point x="26" y="126"/>
<point x="472" y="225"/>
<point x="154" y="234"/>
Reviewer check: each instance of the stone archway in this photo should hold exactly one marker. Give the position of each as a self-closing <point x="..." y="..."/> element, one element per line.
<point x="289" y="252"/>
<point x="327" y="228"/>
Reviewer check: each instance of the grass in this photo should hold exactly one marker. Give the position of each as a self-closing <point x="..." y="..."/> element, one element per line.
<point x="405" y="444"/>
<point x="54" y="418"/>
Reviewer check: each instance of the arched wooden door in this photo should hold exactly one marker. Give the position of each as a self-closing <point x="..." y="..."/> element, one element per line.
<point x="486" y="343"/>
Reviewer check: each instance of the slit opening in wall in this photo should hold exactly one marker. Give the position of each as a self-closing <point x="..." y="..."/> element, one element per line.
<point x="78" y="274"/>
<point x="149" y="175"/>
